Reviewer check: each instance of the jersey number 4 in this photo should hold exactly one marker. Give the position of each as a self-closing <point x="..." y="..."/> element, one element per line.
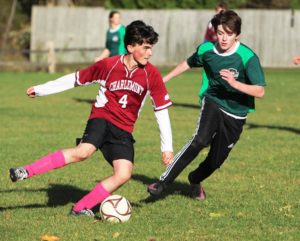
<point x="123" y="101"/>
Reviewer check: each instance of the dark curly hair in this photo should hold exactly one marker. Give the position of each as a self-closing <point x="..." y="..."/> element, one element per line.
<point x="137" y="32"/>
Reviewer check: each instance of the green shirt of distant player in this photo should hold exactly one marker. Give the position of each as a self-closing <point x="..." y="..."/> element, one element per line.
<point x="244" y="65"/>
<point x="115" y="41"/>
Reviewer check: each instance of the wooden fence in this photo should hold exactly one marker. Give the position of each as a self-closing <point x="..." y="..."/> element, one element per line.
<point x="272" y="34"/>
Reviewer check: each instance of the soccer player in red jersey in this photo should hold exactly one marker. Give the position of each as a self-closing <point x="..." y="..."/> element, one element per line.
<point x="210" y="34"/>
<point x="125" y="81"/>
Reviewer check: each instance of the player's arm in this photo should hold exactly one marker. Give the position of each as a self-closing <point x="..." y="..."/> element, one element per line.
<point x="164" y="125"/>
<point x="254" y="74"/>
<point x="193" y="61"/>
<point x="51" y="87"/>
<point x="179" y="69"/>
<point x="253" y="90"/>
<point x="105" y="53"/>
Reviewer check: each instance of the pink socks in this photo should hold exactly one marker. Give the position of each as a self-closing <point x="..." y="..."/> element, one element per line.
<point x="47" y="163"/>
<point x="56" y="160"/>
<point x="96" y="196"/>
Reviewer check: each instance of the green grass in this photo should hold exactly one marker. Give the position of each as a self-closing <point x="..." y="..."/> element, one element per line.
<point x="254" y="196"/>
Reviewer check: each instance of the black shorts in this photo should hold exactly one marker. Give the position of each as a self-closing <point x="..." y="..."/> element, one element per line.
<point x="113" y="142"/>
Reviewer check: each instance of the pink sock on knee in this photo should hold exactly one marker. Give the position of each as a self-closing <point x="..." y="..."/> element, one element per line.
<point x="47" y="163"/>
<point x="96" y="196"/>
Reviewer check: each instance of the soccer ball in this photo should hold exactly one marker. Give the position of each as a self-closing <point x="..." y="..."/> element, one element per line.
<point x="115" y="208"/>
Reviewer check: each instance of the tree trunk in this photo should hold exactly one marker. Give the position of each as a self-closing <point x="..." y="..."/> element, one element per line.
<point x="9" y="24"/>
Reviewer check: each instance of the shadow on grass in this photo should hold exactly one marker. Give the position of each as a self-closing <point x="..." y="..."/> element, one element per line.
<point x="29" y="206"/>
<point x="281" y="128"/>
<point x="79" y="100"/>
<point x="177" y="188"/>
<point x="62" y="194"/>
<point x="185" y="105"/>
<point x="58" y="195"/>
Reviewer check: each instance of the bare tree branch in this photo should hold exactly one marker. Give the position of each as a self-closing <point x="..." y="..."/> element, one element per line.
<point x="9" y="24"/>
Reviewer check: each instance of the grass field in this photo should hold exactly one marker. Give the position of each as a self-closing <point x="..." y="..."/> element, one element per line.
<point x="254" y="196"/>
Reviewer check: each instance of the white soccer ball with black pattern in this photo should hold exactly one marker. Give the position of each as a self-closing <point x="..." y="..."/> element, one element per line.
<point x="115" y="208"/>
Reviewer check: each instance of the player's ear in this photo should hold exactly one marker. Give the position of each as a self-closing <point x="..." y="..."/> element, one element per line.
<point x="130" y="48"/>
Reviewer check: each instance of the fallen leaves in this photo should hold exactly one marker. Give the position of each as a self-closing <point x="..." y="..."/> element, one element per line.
<point x="47" y="237"/>
<point x="287" y="210"/>
<point x="116" y="234"/>
<point x="215" y="215"/>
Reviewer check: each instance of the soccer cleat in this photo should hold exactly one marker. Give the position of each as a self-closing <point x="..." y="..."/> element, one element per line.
<point x="197" y="192"/>
<point x="156" y="188"/>
<point x="84" y="212"/>
<point x="18" y="174"/>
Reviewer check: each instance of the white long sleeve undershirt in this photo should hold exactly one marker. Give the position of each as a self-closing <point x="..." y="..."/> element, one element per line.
<point x="67" y="82"/>
<point x="63" y="83"/>
<point x="164" y="125"/>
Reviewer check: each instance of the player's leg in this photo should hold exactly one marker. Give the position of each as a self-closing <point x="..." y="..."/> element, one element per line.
<point x="205" y="130"/>
<point x="118" y="150"/>
<point x="122" y="174"/>
<point x="92" y="138"/>
<point x="223" y="142"/>
<point x="53" y="161"/>
<point x="213" y="161"/>
<point x="122" y="170"/>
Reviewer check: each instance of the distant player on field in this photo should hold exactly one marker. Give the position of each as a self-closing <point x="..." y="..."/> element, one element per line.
<point x="235" y="77"/>
<point x="210" y="33"/>
<point x="124" y="81"/>
<point x="114" y="44"/>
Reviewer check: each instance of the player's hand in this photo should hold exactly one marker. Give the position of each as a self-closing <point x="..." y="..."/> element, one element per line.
<point x="165" y="79"/>
<point x="30" y="92"/>
<point x="167" y="157"/>
<point x="227" y="75"/>
<point x="97" y="59"/>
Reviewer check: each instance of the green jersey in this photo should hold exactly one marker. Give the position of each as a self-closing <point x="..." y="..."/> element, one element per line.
<point x="244" y="65"/>
<point x="115" y="41"/>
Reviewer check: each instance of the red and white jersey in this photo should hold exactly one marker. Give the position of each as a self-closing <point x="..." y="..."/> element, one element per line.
<point x="122" y="92"/>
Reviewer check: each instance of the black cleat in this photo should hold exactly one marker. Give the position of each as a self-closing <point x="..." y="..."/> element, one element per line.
<point x="156" y="188"/>
<point x="197" y="191"/>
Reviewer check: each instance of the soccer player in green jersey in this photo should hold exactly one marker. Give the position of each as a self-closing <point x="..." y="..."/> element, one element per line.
<point x="114" y="44"/>
<point x="234" y="78"/>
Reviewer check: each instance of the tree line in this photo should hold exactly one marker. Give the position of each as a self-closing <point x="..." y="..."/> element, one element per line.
<point x="15" y="15"/>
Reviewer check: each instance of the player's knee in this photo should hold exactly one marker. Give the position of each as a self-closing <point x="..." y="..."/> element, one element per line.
<point x="83" y="154"/>
<point x="123" y="177"/>
<point x="215" y="164"/>
<point x="199" y="143"/>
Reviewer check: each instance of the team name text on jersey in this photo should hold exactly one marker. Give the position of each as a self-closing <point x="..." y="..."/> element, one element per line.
<point x="126" y="85"/>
